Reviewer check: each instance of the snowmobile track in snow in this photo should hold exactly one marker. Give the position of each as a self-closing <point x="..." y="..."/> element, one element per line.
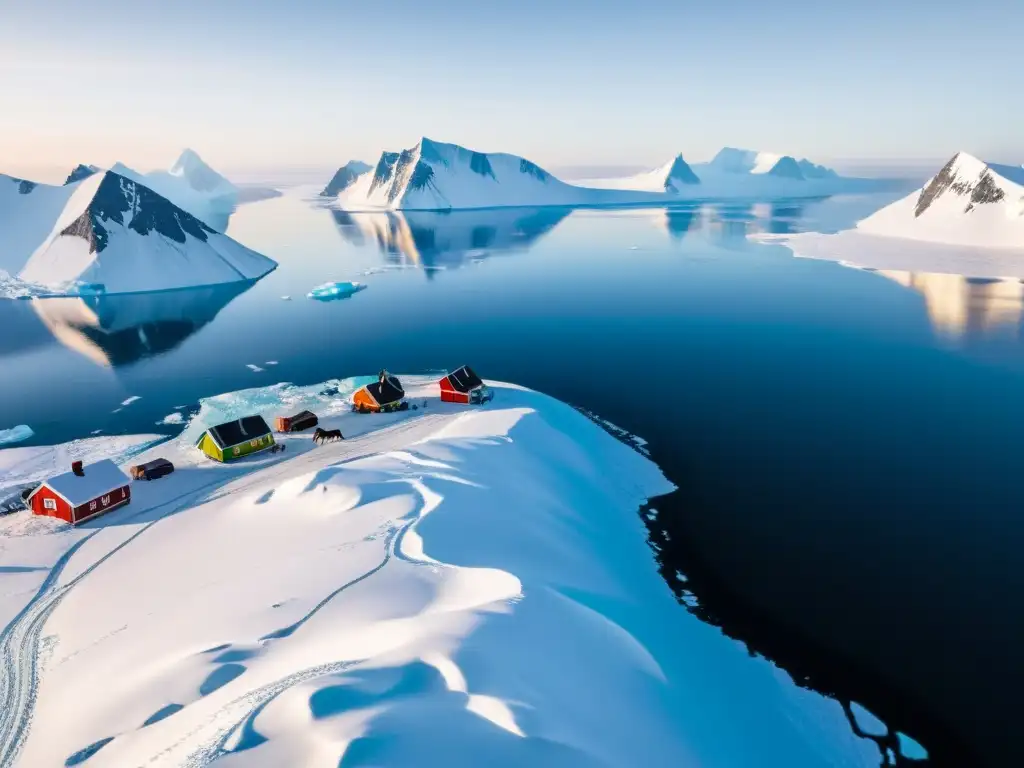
<point x="21" y="638"/>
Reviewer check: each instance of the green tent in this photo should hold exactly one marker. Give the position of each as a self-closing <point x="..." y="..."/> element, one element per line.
<point x="235" y="439"/>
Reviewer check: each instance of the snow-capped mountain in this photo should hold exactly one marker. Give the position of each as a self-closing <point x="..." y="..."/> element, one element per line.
<point x="674" y="177"/>
<point x="436" y="176"/>
<point x="747" y="161"/>
<point x="345" y="177"/>
<point x="968" y="202"/>
<point x="27" y="213"/>
<point x="118" y="236"/>
<point x="193" y="186"/>
<point x="81" y="171"/>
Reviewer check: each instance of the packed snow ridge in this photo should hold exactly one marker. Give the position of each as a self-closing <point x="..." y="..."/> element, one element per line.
<point x="115" y="235"/>
<point x="444" y="587"/>
<point x="967" y="219"/>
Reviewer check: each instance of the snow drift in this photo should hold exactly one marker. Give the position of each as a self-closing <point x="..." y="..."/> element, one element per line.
<point x="115" y="235"/>
<point x="444" y="587"/>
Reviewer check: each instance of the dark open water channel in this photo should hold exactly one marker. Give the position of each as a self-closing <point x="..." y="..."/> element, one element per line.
<point x="848" y="445"/>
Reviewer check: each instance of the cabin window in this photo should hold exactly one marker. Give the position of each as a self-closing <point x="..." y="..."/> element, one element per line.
<point x="50" y="504"/>
<point x="254" y="443"/>
<point x="234" y="451"/>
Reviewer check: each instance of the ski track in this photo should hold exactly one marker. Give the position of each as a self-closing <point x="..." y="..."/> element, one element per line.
<point x="21" y="638"/>
<point x="242" y="711"/>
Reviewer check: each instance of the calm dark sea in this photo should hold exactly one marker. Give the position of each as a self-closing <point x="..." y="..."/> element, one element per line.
<point x="849" y="445"/>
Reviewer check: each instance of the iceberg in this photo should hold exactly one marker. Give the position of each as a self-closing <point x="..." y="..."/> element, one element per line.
<point x="446" y="586"/>
<point x="337" y="290"/>
<point x="16" y="434"/>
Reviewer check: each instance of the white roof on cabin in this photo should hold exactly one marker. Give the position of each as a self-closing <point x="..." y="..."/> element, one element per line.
<point x="99" y="479"/>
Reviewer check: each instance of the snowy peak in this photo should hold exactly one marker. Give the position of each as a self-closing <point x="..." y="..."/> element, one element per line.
<point x="435" y="175"/>
<point x="813" y="171"/>
<point x="345" y="177"/>
<point x="81" y="171"/>
<point x="786" y="167"/>
<point x="114" y="199"/>
<point x="678" y="174"/>
<point x="976" y="182"/>
<point x="119" y="236"/>
<point x="732" y="160"/>
<point x="968" y="202"/>
<point x="201" y="177"/>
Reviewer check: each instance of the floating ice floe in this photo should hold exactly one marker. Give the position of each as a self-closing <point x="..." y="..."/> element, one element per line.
<point x="15" y="434"/>
<point x="254" y="368"/>
<point x="337" y="290"/>
<point x="172" y="418"/>
<point x="131" y="400"/>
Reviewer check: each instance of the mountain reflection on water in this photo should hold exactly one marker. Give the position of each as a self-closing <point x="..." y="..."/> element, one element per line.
<point x="121" y="329"/>
<point x="968" y="308"/>
<point x="433" y="239"/>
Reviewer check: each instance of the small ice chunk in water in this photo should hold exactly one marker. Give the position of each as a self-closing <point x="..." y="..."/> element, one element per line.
<point x="172" y="418"/>
<point x="338" y="290"/>
<point x="254" y="368"/>
<point x="15" y="434"/>
<point x="131" y="400"/>
<point x="286" y="298"/>
<point x="866" y="721"/>
<point x="910" y="748"/>
<point x="271" y="362"/>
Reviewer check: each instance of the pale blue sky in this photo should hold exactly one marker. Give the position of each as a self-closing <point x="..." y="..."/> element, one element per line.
<point x="316" y="82"/>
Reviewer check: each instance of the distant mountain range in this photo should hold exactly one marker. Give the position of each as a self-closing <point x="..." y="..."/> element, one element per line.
<point x="434" y="175"/>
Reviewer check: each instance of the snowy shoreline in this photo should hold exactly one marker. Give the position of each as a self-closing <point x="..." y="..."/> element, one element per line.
<point x="447" y="586"/>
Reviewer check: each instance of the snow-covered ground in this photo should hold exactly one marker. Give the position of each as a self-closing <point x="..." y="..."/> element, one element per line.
<point x="448" y="586"/>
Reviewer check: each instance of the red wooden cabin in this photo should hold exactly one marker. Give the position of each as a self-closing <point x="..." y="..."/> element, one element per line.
<point x="83" y="493"/>
<point x="464" y="386"/>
